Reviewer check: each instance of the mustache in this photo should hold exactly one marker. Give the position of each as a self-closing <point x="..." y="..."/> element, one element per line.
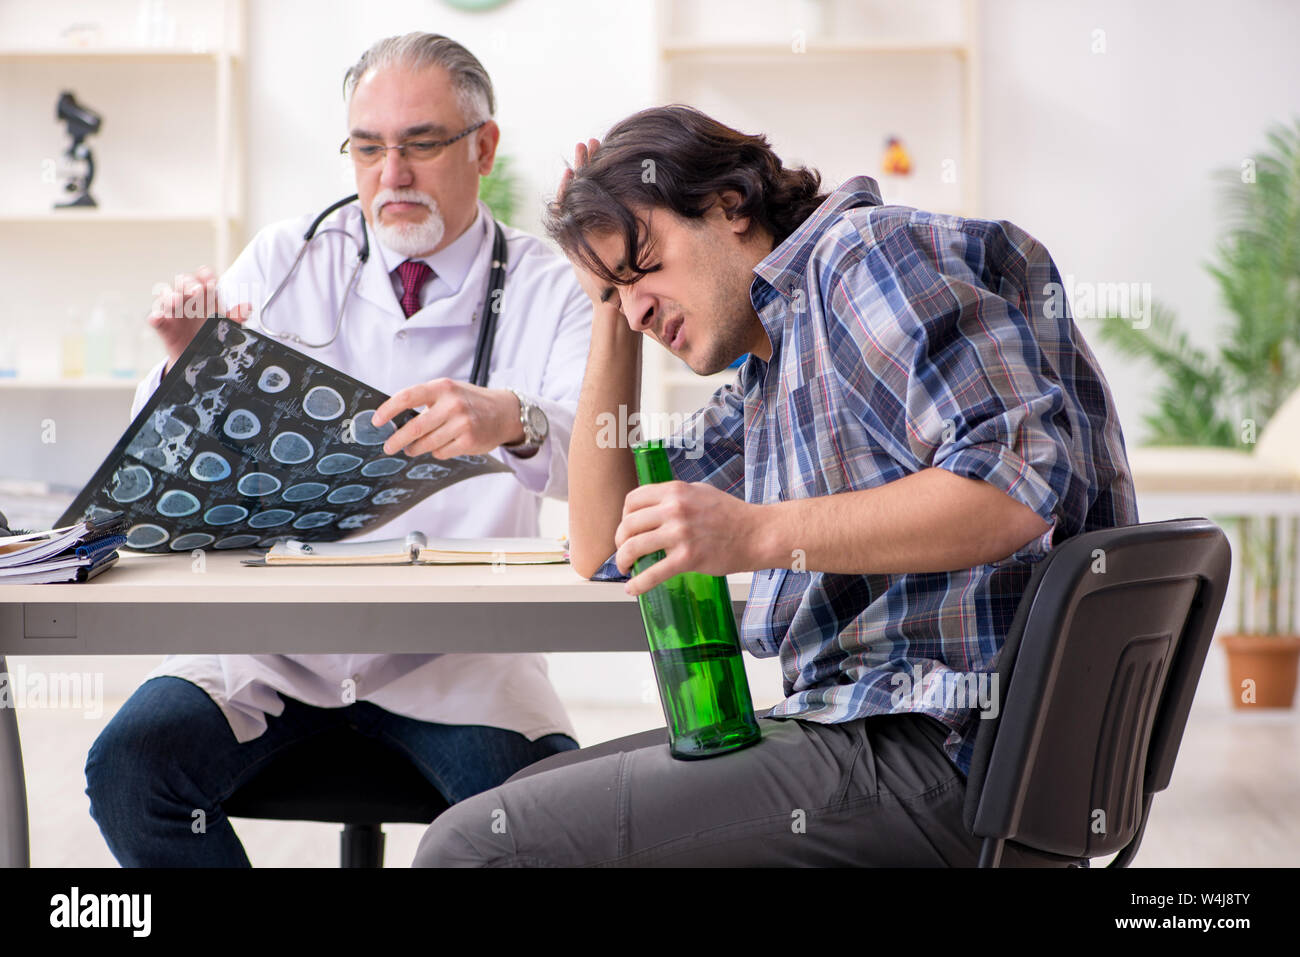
<point x="407" y="195"/>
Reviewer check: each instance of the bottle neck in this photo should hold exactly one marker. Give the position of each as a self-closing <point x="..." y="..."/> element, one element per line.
<point x="652" y="463"/>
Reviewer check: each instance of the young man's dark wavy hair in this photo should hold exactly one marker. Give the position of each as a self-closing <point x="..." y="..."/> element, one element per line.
<point x="679" y="158"/>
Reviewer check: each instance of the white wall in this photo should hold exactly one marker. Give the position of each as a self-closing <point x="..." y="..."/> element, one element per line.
<point x="1107" y="158"/>
<point x="563" y="70"/>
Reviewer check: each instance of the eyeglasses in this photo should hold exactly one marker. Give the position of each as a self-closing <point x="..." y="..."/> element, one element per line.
<point x="417" y="151"/>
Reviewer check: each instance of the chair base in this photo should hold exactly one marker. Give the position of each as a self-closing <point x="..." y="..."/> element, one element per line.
<point x="361" y="845"/>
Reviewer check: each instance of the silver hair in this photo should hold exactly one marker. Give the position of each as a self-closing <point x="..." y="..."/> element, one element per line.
<point x="471" y="82"/>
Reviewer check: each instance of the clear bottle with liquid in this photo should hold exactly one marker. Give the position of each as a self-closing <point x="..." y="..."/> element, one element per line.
<point x="694" y="647"/>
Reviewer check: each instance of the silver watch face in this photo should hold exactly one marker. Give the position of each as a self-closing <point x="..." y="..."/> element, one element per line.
<point x="537" y="423"/>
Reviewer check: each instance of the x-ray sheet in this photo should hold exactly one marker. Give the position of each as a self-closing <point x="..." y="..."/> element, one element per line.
<point x="247" y="443"/>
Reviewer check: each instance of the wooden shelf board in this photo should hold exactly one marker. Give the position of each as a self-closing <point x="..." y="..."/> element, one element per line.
<point x="90" y="382"/>
<point x="815" y="47"/>
<point x="93" y="214"/>
<point x="144" y="54"/>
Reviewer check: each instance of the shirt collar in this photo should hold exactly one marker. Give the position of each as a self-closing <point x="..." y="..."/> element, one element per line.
<point x="781" y="272"/>
<point x="452" y="263"/>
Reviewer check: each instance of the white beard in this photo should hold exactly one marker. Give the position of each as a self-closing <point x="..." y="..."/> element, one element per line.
<point x="408" y="239"/>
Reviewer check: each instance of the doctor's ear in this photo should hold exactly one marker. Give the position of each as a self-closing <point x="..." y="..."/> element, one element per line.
<point x="484" y="142"/>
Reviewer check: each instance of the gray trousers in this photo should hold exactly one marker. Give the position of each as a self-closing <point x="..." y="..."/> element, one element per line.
<point x="878" y="791"/>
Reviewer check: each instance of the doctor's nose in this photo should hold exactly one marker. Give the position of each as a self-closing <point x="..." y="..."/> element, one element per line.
<point x="396" y="170"/>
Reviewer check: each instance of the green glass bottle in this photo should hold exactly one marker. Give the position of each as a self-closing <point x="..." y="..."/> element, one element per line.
<point x="694" y="647"/>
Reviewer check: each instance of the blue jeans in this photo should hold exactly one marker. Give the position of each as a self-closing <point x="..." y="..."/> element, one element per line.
<point x="169" y="751"/>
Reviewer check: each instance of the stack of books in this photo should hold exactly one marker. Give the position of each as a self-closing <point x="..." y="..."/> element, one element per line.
<point x="74" y="553"/>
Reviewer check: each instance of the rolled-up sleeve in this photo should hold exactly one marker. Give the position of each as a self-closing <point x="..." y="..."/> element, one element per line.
<point x="950" y="375"/>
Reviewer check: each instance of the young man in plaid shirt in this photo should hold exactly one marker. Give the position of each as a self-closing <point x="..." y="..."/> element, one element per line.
<point x="917" y="421"/>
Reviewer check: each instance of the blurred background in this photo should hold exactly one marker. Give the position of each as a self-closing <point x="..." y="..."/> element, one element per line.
<point x="1151" y="147"/>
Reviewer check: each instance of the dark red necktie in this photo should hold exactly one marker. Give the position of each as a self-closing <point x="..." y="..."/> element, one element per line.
<point x="414" y="274"/>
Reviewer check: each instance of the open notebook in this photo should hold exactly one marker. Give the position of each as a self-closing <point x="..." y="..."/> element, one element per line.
<point x="418" y="549"/>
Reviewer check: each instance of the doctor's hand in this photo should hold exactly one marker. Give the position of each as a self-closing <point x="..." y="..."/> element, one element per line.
<point x="180" y="310"/>
<point x="460" y="419"/>
<point x="699" y="528"/>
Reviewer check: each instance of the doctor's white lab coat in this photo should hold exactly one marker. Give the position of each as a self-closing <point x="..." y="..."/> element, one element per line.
<point x="543" y="331"/>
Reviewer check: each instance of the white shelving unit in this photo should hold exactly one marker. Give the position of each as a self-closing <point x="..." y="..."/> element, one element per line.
<point x="165" y="75"/>
<point x="827" y="81"/>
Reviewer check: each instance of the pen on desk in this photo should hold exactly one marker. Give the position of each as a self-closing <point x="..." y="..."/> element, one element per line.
<point x="296" y="546"/>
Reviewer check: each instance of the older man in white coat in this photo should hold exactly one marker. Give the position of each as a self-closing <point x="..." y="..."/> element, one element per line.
<point x="420" y="135"/>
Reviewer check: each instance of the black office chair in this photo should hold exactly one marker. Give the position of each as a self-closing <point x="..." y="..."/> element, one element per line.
<point x="1094" y="686"/>
<point x="341" y="776"/>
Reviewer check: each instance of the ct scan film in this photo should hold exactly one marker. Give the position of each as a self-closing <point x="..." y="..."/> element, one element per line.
<point x="247" y="442"/>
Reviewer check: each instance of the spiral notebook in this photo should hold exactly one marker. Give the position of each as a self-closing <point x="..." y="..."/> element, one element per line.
<point x="418" y="549"/>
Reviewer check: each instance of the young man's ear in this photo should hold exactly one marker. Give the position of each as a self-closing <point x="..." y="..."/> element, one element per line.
<point x="729" y="201"/>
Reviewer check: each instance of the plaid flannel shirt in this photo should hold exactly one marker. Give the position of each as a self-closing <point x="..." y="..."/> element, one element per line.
<point x="904" y="340"/>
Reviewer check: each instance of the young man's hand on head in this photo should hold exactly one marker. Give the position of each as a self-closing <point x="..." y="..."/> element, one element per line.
<point x="603" y="296"/>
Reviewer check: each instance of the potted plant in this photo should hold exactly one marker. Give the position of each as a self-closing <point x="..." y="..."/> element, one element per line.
<point x="1225" y="398"/>
<point x="500" y="189"/>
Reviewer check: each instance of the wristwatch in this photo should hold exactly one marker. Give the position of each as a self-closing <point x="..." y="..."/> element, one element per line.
<point x="535" y="425"/>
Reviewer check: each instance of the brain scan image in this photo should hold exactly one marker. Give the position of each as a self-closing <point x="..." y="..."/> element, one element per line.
<point x="348" y="493"/>
<point x="270" y="518"/>
<point x="305" y="491"/>
<point x="258" y="483"/>
<point x="177" y="503"/>
<point x="248" y="442"/>
<point x="131" y="482"/>
<point x="428" y="470"/>
<point x="291" y="448"/>
<point x="242" y="424"/>
<point x="315" y="519"/>
<point x="273" y="379"/>
<point x="364" y="431"/>
<point x="323" y="403"/>
<point x="353" y="521"/>
<point x="380" y="467"/>
<point x="209" y="467"/>
<point x="236" y="541"/>
<point x="389" y="496"/>
<point x="337" y="463"/>
<point x="146" y="536"/>
<point x="225" y="514"/>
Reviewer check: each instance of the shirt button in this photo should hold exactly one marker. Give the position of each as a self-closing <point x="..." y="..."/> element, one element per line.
<point x="401" y="334"/>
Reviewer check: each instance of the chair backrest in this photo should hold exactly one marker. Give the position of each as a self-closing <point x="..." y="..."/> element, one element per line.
<point x="1094" y="685"/>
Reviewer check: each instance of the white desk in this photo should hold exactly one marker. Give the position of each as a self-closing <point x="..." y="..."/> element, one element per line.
<point x="158" y="604"/>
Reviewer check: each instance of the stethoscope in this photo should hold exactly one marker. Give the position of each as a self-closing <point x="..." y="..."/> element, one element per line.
<point x="491" y="302"/>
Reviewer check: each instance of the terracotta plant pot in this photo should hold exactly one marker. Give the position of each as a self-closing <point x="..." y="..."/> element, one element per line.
<point x="1270" y="662"/>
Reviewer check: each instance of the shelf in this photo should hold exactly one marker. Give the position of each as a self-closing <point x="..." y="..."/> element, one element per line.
<point x="815" y="47"/>
<point x="88" y="383"/>
<point x="715" y="56"/>
<point x="144" y="54"/>
<point x="96" y="215"/>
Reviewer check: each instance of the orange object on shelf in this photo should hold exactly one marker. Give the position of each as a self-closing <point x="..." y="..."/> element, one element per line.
<point x="896" y="160"/>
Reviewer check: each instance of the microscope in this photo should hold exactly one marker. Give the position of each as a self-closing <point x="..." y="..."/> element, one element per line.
<point x="80" y="163"/>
